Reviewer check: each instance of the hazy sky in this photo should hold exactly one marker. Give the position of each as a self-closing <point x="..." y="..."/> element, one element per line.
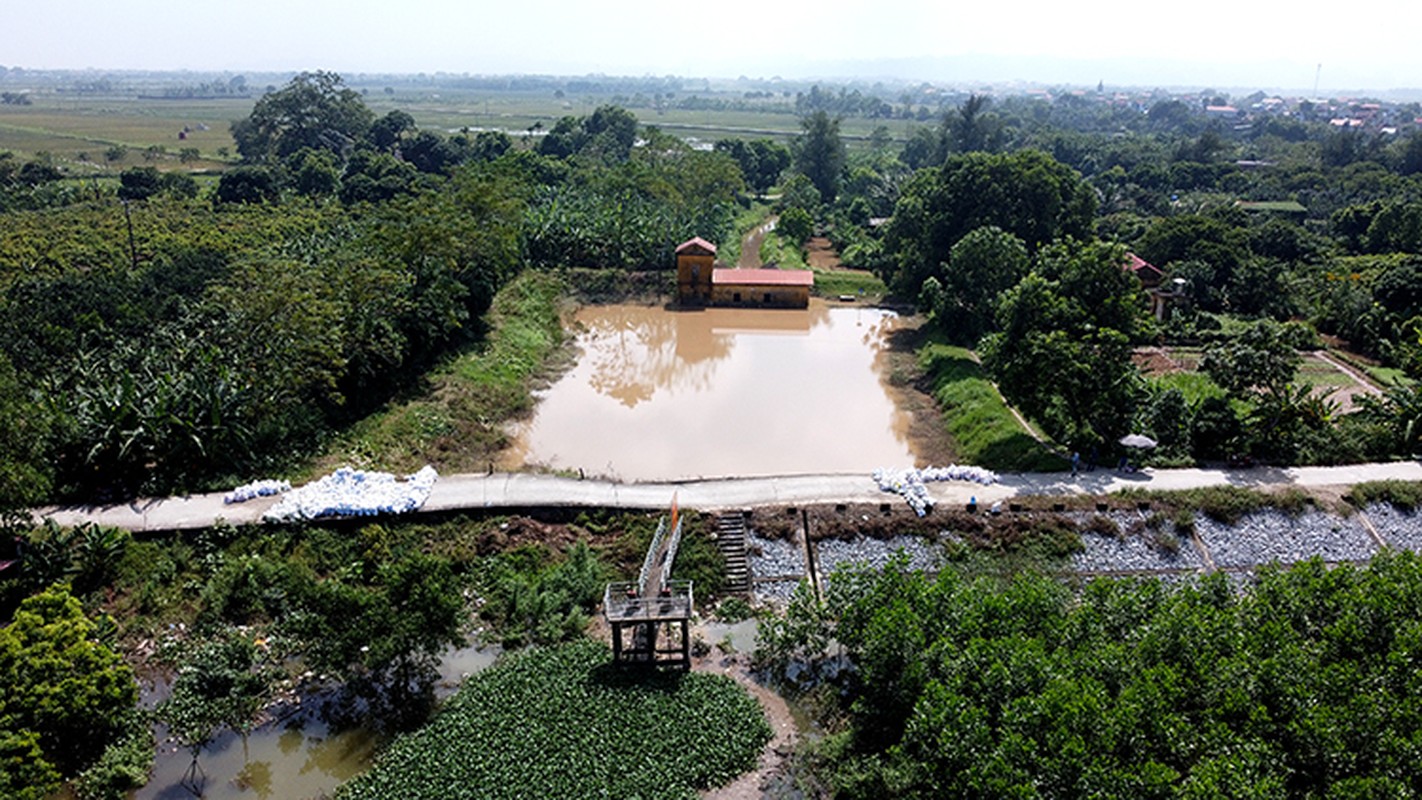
<point x="1124" y="42"/>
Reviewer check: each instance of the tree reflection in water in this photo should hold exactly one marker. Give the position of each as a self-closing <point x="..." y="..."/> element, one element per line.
<point x="657" y="394"/>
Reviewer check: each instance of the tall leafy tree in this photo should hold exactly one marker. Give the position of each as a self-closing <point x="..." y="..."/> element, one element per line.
<point x="818" y="153"/>
<point x="1063" y="353"/>
<point x="1028" y="194"/>
<point x="982" y="265"/>
<point x="315" y="110"/>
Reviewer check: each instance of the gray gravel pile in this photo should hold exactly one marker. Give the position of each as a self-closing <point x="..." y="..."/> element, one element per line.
<point x="1268" y="536"/>
<point x="922" y="555"/>
<point x="1401" y="529"/>
<point x="772" y="558"/>
<point x="1144" y="549"/>
<point x="776" y="591"/>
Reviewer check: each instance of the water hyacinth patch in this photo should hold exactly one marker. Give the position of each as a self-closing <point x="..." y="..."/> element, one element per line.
<point x="564" y="722"/>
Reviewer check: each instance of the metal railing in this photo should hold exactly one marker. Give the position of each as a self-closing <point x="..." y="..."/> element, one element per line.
<point x="621" y="602"/>
<point x="650" y="560"/>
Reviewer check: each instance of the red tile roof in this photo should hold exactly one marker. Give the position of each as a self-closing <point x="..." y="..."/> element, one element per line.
<point x="696" y="242"/>
<point x="1135" y="264"/>
<point x="763" y="277"/>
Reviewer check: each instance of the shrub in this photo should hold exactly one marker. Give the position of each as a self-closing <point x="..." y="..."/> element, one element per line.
<point x="1405" y="495"/>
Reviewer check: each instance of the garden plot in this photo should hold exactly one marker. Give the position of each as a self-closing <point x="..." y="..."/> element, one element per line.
<point x="1268" y="536"/>
<point x="1135" y="547"/>
<point x="1401" y="529"/>
<point x="1337" y="382"/>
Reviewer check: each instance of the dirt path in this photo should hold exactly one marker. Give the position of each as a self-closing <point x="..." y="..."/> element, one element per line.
<point x="750" y="246"/>
<point x="821" y="255"/>
<point x="777" y="713"/>
<point x="1346" y="395"/>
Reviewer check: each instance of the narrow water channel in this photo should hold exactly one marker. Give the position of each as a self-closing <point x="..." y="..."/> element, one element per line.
<point x="304" y="754"/>
<point x="719" y="392"/>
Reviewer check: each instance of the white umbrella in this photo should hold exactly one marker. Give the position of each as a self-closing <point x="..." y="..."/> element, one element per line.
<point x="1137" y="440"/>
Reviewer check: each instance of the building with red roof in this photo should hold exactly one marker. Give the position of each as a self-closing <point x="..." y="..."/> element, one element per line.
<point x="700" y="282"/>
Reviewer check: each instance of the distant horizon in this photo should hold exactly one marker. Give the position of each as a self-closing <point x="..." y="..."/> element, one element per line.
<point x="864" y="76"/>
<point x="1213" y="44"/>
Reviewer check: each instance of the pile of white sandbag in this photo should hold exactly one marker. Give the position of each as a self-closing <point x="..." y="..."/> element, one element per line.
<point x="355" y="493"/>
<point x="248" y="491"/>
<point x="911" y="484"/>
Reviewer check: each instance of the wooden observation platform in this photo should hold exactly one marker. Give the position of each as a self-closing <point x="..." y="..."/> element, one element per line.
<point x="651" y="617"/>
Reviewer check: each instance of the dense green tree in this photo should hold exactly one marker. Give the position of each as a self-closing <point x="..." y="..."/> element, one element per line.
<point x="386" y="132"/>
<point x="1027" y="194"/>
<point x="761" y="160"/>
<point x="606" y="136"/>
<point x="799" y="192"/>
<point x="250" y="184"/>
<point x="490" y="145"/>
<point x="222" y="683"/>
<point x="771" y="159"/>
<point x="1028" y="688"/>
<point x="1396" y="227"/>
<point x="60" y="688"/>
<point x="970" y="129"/>
<point x="1063" y="353"/>
<point x="431" y="153"/>
<point x="818" y="153"/>
<point x="925" y="147"/>
<point x="178" y="184"/>
<point x="315" y="109"/>
<point x="795" y="226"/>
<point x="372" y="177"/>
<point x="38" y="171"/>
<point x="25" y="425"/>
<point x="139" y="183"/>
<point x="1259" y="362"/>
<point x="982" y="265"/>
<point x="1398" y="288"/>
<point x="612" y="131"/>
<point x="314" y="172"/>
<point x="1205" y="251"/>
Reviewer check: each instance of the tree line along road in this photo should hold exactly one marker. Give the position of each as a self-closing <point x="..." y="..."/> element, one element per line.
<point x="525" y="490"/>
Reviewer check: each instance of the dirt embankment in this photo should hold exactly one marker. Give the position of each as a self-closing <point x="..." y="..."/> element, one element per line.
<point x="782" y="743"/>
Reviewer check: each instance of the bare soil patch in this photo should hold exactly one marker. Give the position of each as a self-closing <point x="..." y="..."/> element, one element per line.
<point x="820" y="254"/>
<point x="1162" y="360"/>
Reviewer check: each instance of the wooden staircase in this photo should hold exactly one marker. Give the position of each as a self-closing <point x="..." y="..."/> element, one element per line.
<point x="731" y="539"/>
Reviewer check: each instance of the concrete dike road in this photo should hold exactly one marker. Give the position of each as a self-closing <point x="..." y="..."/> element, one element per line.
<point x="526" y="490"/>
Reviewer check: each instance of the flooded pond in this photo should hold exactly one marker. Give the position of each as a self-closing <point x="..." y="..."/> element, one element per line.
<point x="305" y="754"/>
<point x="720" y="392"/>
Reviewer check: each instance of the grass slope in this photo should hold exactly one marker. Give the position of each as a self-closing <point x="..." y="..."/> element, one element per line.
<point x="977" y="418"/>
<point x="563" y="722"/>
<point x="458" y="424"/>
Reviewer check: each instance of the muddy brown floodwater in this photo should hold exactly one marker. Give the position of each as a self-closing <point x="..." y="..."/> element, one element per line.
<point x="720" y="392"/>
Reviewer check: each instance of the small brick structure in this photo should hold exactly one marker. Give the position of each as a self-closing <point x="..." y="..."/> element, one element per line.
<point x="700" y="283"/>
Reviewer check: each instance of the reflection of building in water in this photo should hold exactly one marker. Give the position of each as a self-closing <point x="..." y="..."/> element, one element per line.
<point x="700" y="283"/>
